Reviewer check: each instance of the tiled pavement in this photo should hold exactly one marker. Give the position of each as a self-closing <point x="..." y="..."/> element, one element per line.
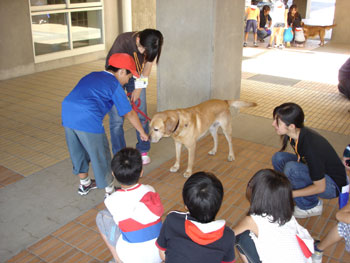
<point x="32" y="139"/>
<point x="31" y="135"/>
<point x="79" y="241"/>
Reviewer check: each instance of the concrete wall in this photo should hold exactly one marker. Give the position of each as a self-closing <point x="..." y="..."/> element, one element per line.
<point x="341" y="33"/>
<point x="143" y="14"/>
<point x="16" y="48"/>
<point x="202" y="52"/>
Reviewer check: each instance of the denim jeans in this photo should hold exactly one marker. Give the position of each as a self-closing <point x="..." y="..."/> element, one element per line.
<point x="262" y="34"/>
<point x="299" y="176"/>
<point x="246" y="246"/>
<point x="85" y="147"/>
<point x="107" y="226"/>
<point x="116" y="123"/>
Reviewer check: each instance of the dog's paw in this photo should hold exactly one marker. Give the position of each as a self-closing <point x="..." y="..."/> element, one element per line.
<point x="174" y="168"/>
<point x="187" y="174"/>
<point x="231" y="158"/>
<point x="212" y="152"/>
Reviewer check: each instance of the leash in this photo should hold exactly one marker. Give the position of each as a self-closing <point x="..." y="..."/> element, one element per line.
<point x="136" y="107"/>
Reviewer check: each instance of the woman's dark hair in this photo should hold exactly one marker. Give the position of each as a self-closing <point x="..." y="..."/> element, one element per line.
<point x="202" y="194"/>
<point x="292" y="7"/>
<point x="114" y="69"/>
<point x="270" y="194"/>
<point x="289" y="113"/>
<point x="127" y="166"/>
<point x="266" y="8"/>
<point x="152" y="41"/>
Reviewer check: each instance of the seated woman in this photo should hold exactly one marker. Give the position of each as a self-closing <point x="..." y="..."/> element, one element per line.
<point x="264" y="30"/>
<point x="315" y="170"/>
<point x="293" y="19"/>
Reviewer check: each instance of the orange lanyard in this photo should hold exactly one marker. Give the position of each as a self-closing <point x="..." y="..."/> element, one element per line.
<point x="139" y="68"/>
<point x="296" y="148"/>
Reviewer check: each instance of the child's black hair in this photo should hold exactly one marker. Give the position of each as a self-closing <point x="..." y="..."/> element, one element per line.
<point x="127" y="166"/>
<point x="114" y="69"/>
<point x="202" y="194"/>
<point x="270" y="194"/>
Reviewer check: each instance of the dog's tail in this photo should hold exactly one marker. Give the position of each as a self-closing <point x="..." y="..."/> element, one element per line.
<point x="239" y="103"/>
<point x="329" y="27"/>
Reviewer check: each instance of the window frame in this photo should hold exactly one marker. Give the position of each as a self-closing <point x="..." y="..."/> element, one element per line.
<point x="67" y="8"/>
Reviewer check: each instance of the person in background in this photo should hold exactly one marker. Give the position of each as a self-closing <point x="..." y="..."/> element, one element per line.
<point x="145" y="47"/>
<point x="279" y="17"/>
<point x="252" y="15"/>
<point x="344" y="79"/>
<point x="264" y="29"/>
<point x="293" y="19"/>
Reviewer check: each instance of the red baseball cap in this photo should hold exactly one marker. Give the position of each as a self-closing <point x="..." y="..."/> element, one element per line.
<point x="123" y="60"/>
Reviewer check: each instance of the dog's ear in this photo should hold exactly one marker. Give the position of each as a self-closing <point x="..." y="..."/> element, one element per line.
<point x="170" y="124"/>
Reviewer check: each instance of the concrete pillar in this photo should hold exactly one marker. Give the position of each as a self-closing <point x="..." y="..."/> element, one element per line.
<point x="143" y="14"/>
<point x="126" y="7"/>
<point x="303" y="7"/>
<point x="340" y="33"/>
<point x="202" y="52"/>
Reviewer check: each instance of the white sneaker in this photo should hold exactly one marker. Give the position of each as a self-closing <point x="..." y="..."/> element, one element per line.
<point x="317" y="257"/>
<point x="145" y="158"/>
<point x="316" y="211"/>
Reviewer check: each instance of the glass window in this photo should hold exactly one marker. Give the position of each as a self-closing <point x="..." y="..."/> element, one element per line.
<point x="50" y="33"/>
<point x="46" y="2"/>
<point x="86" y="28"/>
<point x="63" y="28"/>
<point x="83" y="1"/>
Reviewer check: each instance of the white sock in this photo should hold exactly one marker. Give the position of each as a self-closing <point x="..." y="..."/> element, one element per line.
<point x="110" y="189"/>
<point x="86" y="181"/>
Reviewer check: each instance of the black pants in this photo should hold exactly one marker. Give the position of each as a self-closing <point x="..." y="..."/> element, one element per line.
<point x="344" y="87"/>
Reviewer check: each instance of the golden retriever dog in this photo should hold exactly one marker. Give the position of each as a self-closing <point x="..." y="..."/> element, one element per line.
<point x="187" y="126"/>
<point x="313" y="31"/>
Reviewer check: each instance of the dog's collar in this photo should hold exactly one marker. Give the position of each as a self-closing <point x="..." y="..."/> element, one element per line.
<point x="177" y="125"/>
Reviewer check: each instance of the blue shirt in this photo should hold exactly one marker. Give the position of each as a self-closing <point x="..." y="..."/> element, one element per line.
<point x="92" y="98"/>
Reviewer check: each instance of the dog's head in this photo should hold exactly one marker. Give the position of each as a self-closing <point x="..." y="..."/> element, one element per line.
<point x="163" y="124"/>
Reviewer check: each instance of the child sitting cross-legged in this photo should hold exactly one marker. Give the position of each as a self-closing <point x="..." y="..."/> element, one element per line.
<point x="196" y="236"/>
<point x="132" y="221"/>
<point x="269" y="232"/>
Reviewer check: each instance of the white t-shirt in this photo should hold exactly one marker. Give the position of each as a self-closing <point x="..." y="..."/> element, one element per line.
<point x="276" y="244"/>
<point x="278" y="13"/>
<point x="137" y="211"/>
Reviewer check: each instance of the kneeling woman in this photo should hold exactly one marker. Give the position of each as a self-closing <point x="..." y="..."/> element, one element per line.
<point x="315" y="170"/>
